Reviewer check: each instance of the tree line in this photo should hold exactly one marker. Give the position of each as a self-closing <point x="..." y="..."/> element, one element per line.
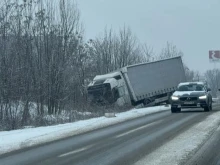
<point x="45" y="59"/>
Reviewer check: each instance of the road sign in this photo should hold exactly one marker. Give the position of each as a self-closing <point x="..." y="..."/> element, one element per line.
<point x="214" y="55"/>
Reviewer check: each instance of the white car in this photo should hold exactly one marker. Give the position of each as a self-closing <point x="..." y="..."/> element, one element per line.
<point x="191" y="95"/>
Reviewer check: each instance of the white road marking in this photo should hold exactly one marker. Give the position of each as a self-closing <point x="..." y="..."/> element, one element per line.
<point x="76" y="151"/>
<point x="136" y="129"/>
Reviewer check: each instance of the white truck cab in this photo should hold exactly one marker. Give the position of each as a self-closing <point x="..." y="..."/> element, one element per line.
<point x="108" y="89"/>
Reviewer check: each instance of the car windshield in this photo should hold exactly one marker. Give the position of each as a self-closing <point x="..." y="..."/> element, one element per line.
<point x="191" y="87"/>
<point x="100" y="93"/>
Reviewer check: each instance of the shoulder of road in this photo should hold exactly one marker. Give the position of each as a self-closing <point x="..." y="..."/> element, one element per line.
<point x="25" y="138"/>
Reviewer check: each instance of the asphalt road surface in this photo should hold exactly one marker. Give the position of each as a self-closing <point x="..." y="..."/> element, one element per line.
<point x="124" y="143"/>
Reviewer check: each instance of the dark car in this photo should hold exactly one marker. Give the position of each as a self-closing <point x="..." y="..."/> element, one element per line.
<point x="191" y="95"/>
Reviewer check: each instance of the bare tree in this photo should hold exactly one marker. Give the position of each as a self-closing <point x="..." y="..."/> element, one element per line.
<point x="148" y="53"/>
<point x="189" y="74"/>
<point x="41" y="56"/>
<point x="213" y="80"/>
<point x="115" y="50"/>
<point x="198" y="76"/>
<point x="130" y="52"/>
<point x="170" y="51"/>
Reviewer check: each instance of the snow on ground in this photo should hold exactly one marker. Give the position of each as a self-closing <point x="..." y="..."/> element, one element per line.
<point x="216" y="100"/>
<point x="178" y="149"/>
<point x="18" y="139"/>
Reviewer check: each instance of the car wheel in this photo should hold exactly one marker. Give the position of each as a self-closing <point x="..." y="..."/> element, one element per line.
<point x="173" y="110"/>
<point x="210" y="106"/>
<point x="178" y="109"/>
<point x="206" y="109"/>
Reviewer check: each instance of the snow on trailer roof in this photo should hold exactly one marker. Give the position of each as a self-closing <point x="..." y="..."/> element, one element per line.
<point x="105" y="76"/>
<point x="154" y="61"/>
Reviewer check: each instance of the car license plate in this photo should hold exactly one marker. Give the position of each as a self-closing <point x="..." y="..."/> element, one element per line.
<point x="189" y="102"/>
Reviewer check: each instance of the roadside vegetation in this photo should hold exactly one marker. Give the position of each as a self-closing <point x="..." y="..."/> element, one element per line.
<point x="46" y="63"/>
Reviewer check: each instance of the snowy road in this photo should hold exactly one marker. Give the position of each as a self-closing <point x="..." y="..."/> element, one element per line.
<point x="159" y="138"/>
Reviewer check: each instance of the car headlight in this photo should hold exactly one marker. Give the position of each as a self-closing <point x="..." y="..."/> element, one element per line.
<point x="174" y="98"/>
<point x="203" y="97"/>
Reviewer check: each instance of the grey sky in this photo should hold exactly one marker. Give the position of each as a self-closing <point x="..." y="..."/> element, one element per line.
<point x="192" y="25"/>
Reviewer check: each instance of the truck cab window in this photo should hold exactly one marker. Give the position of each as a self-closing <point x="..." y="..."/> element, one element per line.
<point x="117" y="77"/>
<point x="97" y="82"/>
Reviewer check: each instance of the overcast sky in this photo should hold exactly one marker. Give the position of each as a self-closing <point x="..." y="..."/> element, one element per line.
<point x="192" y="25"/>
